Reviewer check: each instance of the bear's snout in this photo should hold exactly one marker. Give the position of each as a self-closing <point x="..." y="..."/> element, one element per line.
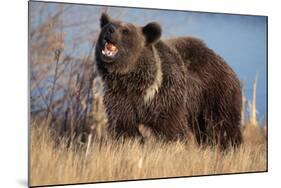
<point x="111" y="28"/>
<point x="110" y="33"/>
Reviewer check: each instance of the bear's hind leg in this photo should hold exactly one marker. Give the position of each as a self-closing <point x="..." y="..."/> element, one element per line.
<point x="227" y="135"/>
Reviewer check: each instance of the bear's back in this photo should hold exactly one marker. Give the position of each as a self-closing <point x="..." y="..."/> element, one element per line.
<point x="201" y="61"/>
<point x="193" y="51"/>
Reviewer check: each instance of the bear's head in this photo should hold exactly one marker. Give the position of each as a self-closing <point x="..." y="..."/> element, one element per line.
<point x="120" y="44"/>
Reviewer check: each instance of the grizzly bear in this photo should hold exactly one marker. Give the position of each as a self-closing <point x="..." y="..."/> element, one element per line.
<point x="177" y="87"/>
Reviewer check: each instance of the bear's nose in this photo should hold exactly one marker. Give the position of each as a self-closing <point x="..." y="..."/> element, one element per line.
<point x="111" y="29"/>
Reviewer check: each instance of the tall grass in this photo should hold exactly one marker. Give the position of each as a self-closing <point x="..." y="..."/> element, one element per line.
<point x="110" y="160"/>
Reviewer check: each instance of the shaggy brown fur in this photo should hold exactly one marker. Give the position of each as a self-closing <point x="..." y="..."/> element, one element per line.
<point x="175" y="87"/>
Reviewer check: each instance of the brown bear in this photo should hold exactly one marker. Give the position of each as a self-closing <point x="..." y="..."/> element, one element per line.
<point x="175" y="87"/>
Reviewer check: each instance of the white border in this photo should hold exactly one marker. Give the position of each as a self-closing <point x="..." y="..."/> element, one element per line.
<point x="13" y="99"/>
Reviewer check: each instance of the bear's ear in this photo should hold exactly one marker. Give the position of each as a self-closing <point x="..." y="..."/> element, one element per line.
<point x="152" y="32"/>
<point x="104" y="19"/>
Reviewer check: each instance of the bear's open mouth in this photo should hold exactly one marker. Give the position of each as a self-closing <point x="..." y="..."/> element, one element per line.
<point x="109" y="50"/>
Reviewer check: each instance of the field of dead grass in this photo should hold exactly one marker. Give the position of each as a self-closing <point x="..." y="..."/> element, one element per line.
<point x="109" y="160"/>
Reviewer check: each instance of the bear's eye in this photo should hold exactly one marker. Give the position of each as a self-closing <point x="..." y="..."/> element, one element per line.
<point x="125" y="31"/>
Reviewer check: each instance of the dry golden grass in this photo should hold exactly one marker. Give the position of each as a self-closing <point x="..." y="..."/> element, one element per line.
<point x="109" y="161"/>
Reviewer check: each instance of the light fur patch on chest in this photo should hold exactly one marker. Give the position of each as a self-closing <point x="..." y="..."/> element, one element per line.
<point x="152" y="90"/>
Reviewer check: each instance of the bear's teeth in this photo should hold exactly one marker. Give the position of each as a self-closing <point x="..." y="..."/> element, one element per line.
<point x="107" y="52"/>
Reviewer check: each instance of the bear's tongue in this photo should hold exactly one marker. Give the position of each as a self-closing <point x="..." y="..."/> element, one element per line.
<point x="109" y="49"/>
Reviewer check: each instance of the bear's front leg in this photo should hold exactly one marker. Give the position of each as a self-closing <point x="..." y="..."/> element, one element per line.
<point x="123" y="127"/>
<point x="122" y="121"/>
<point x="172" y="125"/>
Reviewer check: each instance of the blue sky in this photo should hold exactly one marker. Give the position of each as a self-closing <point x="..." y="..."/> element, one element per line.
<point x="240" y="40"/>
